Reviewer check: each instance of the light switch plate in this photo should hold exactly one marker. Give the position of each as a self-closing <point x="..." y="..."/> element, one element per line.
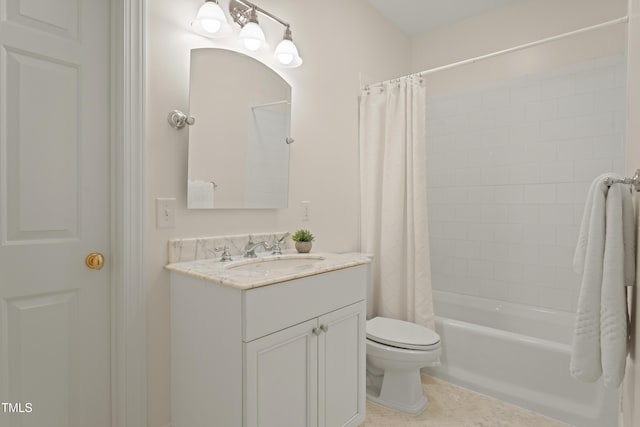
<point x="166" y="212"/>
<point x="306" y="210"/>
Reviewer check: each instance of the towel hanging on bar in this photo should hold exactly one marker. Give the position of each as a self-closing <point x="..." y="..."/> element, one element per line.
<point x="605" y="257"/>
<point x="635" y="180"/>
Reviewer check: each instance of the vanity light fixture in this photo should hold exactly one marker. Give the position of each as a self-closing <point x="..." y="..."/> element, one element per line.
<point x="287" y="52"/>
<point x="211" y="22"/>
<point x="251" y="34"/>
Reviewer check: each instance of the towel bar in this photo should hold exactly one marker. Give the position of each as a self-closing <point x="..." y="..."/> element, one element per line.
<point x="635" y="181"/>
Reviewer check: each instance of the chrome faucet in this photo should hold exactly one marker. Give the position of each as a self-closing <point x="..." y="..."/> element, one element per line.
<point x="250" y="248"/>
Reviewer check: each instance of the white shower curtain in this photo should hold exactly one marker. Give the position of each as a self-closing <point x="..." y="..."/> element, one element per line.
<point x="393" y="186"/>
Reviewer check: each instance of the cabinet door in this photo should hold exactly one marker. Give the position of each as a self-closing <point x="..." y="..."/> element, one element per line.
<point x="281" y="378"/>
<point x="341" y="364"/>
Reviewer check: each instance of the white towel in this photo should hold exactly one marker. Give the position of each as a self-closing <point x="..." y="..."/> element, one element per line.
<point x="585" y="362"/>
<point x="613" y="312"/>
<point x="605" y="256"/>
<point x="629" y="238"/>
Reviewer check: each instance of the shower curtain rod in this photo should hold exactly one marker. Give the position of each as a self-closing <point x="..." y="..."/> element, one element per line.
<point x="621" y="20"/>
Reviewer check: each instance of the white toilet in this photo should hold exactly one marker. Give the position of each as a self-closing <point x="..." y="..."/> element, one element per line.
<point x="396" y="351"/>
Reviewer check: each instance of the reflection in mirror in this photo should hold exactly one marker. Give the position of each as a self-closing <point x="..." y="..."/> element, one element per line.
<point x="238" y="151"/>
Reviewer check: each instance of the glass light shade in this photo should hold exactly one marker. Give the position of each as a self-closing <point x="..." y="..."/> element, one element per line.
<point x="287" y="54"/>
<point x="252" y="36"/>
<point x="211" y="25"/>
<point x="210" y="18"/>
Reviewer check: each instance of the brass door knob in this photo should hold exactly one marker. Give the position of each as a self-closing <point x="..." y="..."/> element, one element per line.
<point x="94" y="261"/>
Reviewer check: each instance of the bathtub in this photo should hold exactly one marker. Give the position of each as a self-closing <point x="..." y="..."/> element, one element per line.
<point x="519" y="354"/>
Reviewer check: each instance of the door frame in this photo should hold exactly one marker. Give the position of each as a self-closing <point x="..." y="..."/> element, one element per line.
<point x="128" y="300"/>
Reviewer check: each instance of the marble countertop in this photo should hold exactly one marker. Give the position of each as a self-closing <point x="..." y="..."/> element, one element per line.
<point x="246" y="273"/>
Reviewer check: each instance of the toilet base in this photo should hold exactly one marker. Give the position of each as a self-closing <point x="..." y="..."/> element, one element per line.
<point x="398" y="390"/>
<point x="415" y="409"/>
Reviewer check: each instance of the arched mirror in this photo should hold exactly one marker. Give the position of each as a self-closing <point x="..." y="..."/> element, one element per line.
<point x="239" y="144"/>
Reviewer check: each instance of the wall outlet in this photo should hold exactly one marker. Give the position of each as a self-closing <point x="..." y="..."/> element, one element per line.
<point x="306" y="210"/>
<point x="166" y="212"/>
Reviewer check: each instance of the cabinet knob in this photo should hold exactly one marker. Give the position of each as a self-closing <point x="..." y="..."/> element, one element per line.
<point x="324" y="328"/>
<point x="316" y="331"/>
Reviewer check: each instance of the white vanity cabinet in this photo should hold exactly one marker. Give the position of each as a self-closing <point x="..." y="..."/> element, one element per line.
<point x="286" y="354"/>
<point x="310" y="374"/>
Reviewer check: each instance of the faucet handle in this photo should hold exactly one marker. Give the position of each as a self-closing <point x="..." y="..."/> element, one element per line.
<point x="277" y="250"/>
<point x="226" y="256"/>
<point x="280" y="240"/>
<point x="249" y="244"/>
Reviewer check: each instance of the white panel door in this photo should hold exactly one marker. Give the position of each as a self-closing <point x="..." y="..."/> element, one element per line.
<point x="341" y="367"/>
<point x="54" y="210"/>
<point x="281" y="377"/>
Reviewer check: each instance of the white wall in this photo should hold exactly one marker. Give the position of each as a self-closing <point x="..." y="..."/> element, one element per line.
<point x="514" y="142"/>
<point x="338" y="40"/>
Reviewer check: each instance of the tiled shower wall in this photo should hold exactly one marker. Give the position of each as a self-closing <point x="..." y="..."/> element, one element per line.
<point x="509" y="166"/>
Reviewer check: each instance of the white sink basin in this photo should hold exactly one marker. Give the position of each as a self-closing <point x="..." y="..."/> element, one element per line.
<point x="276" y="263"/>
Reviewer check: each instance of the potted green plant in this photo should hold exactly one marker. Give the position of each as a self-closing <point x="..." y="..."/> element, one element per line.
<point x="303" y="239"/>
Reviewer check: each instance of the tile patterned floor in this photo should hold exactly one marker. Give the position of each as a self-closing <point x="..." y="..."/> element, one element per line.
<point x="453" y="406"/>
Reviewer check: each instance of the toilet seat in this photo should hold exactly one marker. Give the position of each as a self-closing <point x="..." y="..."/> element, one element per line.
<point x="401" y="334"/>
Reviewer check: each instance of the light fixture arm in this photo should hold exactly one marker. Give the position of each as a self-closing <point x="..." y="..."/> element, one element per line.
<point x="287" y="33"/>
<point x="248" y="5"/>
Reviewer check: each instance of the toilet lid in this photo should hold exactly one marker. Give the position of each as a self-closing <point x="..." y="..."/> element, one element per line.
<point x="398" y="333"/>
